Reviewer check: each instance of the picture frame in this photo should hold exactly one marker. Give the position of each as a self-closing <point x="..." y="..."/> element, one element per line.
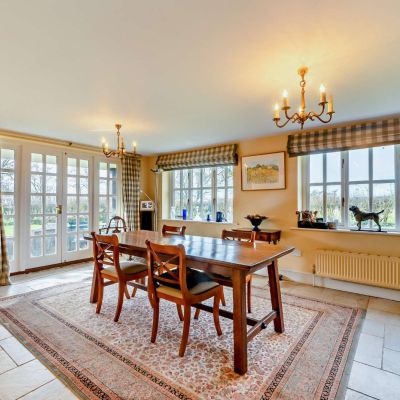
<point x="146" y="205"/>
<point x="263" y="171"/>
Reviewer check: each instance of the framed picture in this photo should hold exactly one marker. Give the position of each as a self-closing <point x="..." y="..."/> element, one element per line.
<point x="264" y="171"/>
<point x="146" y="205"/>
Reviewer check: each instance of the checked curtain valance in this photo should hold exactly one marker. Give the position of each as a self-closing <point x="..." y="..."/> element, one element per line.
<point x="207" y="157"/>
<point x="355" y="135"/>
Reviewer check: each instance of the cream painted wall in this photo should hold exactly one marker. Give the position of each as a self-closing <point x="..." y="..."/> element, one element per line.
<point x="280" y="206"/>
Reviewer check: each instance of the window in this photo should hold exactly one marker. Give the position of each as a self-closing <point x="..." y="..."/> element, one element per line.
<point x="8" y="198"/>
<point x="202" y="192"/>
<point x="366" y="178"/>
<point x="108" y="193"/>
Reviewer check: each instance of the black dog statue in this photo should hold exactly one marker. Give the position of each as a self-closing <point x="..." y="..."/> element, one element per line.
<point x="361" y="216"/>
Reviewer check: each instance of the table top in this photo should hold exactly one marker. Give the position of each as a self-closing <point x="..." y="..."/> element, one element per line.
<point x="208" y="249"/>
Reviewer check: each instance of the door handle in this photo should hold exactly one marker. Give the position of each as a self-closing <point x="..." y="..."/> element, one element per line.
<point x="59" y="209"/>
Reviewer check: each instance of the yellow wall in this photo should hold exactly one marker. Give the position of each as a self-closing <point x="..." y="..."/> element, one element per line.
<point x="280" y="206"/>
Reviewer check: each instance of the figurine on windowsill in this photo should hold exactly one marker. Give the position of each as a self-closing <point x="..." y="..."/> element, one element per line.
<point x="361" y="216"/>
<point x="308" y="219"/>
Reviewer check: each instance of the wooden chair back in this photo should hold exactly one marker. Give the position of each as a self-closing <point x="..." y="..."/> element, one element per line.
<point x="106" y="252"/>
<point x="115" y="225"/>
<point x="175" y="230"/>
<point x="240" y="236"/>
<point x="167" y="265"/>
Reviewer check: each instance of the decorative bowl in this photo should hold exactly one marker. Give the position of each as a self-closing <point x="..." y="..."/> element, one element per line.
<point x="256" y="220"/>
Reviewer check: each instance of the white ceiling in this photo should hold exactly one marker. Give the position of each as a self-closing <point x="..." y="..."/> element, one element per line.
<point x="184" y="73"/>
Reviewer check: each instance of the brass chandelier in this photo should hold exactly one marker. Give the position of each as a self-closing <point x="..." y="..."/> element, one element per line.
<point x="302" y="116"/>
<point x="121" y="148"/>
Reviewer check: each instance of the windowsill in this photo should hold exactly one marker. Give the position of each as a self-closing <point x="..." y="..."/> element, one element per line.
<point x="391" y="233"/>
<point x="200" y="222"/>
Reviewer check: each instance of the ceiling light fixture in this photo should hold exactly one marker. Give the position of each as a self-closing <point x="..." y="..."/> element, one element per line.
<point x="121" y="149"/>
<point x="302" y="116"/>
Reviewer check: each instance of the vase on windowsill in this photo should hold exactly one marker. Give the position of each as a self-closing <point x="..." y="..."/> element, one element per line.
<point x="256" y="220"/>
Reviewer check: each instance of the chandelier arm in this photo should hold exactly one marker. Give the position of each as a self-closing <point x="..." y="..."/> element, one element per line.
<point x="324" y="121"/>
<point x="281" y="125"/>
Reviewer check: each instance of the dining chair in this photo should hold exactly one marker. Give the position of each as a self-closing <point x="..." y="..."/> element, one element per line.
<point x="115" y="225"/>
<point x="110" y="270"/>
<point x="170" y="279"/>
<point x="245" y="238"/>
<point x="175" y="230"/>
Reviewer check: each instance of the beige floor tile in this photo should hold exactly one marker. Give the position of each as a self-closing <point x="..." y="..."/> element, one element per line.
<point x="22" y="380"/>
<point x="308" y="292"/>
<point x="4" y="333"/>
<point x="53" y="390"/>
<point x="352" y="395"/>
<point x="369" y="350"/>
<point x="391" y="361"/>
<point x="383" y="316"/>
<point x="374" y="328"/>
<point x="374" y="382"/>
<point x="6" y="363"/>
<point x="16" y="350"/>
<point x="384" y="305"/>
<point x="392" y="337"/>
<point x="12" y="290"/>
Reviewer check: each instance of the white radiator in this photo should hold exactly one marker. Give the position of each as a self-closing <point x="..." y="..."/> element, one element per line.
<point x="383" y="271"/>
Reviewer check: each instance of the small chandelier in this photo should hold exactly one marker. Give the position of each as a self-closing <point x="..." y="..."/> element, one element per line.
<point x="302" y="116"/>
<point x="121" y="148"/>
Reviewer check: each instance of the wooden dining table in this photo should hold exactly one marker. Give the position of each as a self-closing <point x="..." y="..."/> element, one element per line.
<point x="225" y="258"/>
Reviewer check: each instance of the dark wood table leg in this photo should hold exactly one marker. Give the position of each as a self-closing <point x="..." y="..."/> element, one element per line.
<point x="239" y="321"/>
<point x="276" y="301"/>
<point x="93" y="291"/>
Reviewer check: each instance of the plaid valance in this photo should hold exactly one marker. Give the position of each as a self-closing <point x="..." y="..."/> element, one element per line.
<point x="352" y="136"/>
<point x="207" y="157"/>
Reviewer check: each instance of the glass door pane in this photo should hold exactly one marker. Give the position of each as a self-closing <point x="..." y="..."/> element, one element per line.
<point x="44" y="217"/>
<point x="77" y="198"/>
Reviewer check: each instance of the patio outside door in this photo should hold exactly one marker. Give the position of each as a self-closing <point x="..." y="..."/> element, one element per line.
<point x="58" y="196"/>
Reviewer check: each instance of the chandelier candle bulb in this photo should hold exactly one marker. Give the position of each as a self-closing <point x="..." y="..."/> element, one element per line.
<point x="134" y="147"/>
<point x="285" y="99"/>
<point x="322" y="93"/>
<point x="330" y="105"/>
<point x="276" y="113"/>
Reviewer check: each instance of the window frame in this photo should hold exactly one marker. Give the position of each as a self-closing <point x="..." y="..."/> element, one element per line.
<point x="4" y="144"/>
<point x="190" y="188"/>
<point x="345" y="184"/>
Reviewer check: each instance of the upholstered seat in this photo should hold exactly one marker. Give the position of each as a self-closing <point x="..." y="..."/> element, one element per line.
<point x="200" y="288"/>
<point x="193" y="278"/>
<point x="128" y="268"/>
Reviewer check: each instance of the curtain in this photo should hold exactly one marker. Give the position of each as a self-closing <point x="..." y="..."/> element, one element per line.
<point x="131" y="190"/>
<point x="4" y="267"/>
<point x="355" y="135"/>
<point x="206" y="157"/>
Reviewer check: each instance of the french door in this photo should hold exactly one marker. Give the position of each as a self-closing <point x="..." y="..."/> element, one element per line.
<point x="58" y="195"/>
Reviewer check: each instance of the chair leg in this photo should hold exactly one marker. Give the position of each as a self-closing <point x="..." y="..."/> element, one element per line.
<point x="197" y="313"/>
<point x="127" y="293"/>
<point x="100" y="290"/>
<point x="249" y="296"/>
<point x="217" y="299"/>
<point x="121" y="292"/>
<point x="156" y="313"/>
<point x="185" y="334"/>
<point x="180" y="314"/>
<point x="133" y="292"/>
<point x="223" y="298"/>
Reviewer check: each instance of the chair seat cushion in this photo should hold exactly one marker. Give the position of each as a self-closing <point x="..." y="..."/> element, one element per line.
<point x="198" y="289"/>
<point x="128" y="268"/>
<point x="197" y="282"/>
<point x="193" y="277"/>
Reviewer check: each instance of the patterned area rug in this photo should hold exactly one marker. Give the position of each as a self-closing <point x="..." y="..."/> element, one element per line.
<point x="100" y="359"/>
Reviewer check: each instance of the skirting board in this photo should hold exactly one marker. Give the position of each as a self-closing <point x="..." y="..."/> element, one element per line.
<point x="310" y="279"/>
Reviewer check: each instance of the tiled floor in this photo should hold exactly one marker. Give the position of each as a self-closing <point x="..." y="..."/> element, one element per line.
<point x="374" y="372"/>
